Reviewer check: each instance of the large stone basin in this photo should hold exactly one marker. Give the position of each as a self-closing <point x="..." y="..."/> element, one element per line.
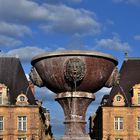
<point x="74" y="76"/>
<point x="52" y="66"/>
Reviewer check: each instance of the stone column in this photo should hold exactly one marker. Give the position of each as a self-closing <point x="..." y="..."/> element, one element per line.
<point x="75" y="105"/>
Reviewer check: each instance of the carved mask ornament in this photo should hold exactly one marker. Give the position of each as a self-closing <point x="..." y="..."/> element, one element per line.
<point x="74" y="71"/>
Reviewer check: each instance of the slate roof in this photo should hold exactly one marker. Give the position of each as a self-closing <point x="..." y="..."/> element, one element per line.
<point x="13" y="76"/>
<point x="129" y="76"/>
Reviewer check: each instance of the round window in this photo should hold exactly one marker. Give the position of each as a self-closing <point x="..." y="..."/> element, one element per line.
<point x="118" y="98"/>
<point x="22" y="98"/>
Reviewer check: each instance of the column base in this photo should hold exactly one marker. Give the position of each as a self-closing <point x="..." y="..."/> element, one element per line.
<point x="71" y="137"/>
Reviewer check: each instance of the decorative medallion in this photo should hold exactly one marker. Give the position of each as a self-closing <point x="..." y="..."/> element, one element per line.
<point x="74" y="70"/>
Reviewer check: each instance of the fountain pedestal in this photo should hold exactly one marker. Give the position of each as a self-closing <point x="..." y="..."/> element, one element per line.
<point x="75" y="105"/>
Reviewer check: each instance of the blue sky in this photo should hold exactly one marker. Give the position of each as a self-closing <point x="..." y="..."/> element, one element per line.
<point x="31" y="27"/>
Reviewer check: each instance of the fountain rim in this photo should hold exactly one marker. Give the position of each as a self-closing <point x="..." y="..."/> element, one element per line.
<point x="72" y="53"/>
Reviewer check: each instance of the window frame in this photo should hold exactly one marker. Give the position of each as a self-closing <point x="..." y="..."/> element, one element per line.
<point x="138" y="123"/>
<point x="2" y="122"/>
<point x="22" y="123"/>
<point x="118" y="123"/>
<point x="138" y="98"/>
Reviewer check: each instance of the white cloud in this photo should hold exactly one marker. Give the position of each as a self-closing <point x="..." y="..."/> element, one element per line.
<point x="69" y="20"/>
<point x="118" y="1"/>
<point x="21" y="11"/>
<point x="57" y="18"/>
<point x="75" y="44"/>
<point x="104" y="90"/>
<point x="9" y="41"/>
<point x="113" y="43"/>
<point x="77" y="1"/>
<point x="63" y="1"/>
<point x="27" y="76"/>
<point x="95" y="104"/>
<point x="137" y="37"/>
<point x="44" y="94"/>
<point x="26" y="53"/>
<point x="133" y="2"/>
<point x="100" y="94"/>
<point x="14" y="30"/>
<point x="60" y="49"/>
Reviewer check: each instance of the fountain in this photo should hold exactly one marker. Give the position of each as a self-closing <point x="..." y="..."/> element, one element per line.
<point x="74" y="76"/>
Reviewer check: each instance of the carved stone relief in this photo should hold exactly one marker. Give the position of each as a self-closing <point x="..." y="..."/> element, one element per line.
<point x="74" y="70"/>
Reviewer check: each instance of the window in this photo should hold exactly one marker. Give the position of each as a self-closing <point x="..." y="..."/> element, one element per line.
<point x="138" y="98"/>
<point x="1" y="100"/>
<point x="21" y="138"/>
<point x="1" y="123"/>
<point x="118" y="123"/>
<point x="22" y="98"/>
<point x="118" y="98"/>
<point x="138" y="123"/>
<point x="22" y="123"/>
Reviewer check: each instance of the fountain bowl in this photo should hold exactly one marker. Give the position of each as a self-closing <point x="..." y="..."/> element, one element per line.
<point x="89" y="69"/>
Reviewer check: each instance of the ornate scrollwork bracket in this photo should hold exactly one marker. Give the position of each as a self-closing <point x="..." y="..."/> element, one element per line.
<point x="35" y="78"/>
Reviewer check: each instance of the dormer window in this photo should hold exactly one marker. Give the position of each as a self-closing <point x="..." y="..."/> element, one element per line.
<point x="4" y="92"/>
<point x="136" y="95"/>
<point x="119" y="100"/>
<point x="22" y="99"/>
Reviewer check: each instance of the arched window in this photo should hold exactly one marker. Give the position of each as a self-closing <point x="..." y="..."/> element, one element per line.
<point x="22" y="99"/>
<point x="118" y="100"/>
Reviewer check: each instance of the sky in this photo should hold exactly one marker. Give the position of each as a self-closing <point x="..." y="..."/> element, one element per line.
<point x="31" y="27"/>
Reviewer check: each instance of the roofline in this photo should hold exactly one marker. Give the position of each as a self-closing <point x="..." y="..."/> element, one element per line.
<point x="132" y="58"/>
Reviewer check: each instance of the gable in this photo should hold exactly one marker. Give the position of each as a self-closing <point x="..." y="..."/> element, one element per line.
<point x="13" y="76"/>
<point x="129" y="76"/>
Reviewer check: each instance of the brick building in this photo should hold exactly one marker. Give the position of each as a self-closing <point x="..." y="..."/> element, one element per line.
<point x="118" y="116"/>
<point x="22" y="117"/>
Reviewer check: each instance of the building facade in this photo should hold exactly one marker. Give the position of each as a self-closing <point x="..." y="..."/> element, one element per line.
<point x="22" y="117"/>
<point x="118" y="116"/>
